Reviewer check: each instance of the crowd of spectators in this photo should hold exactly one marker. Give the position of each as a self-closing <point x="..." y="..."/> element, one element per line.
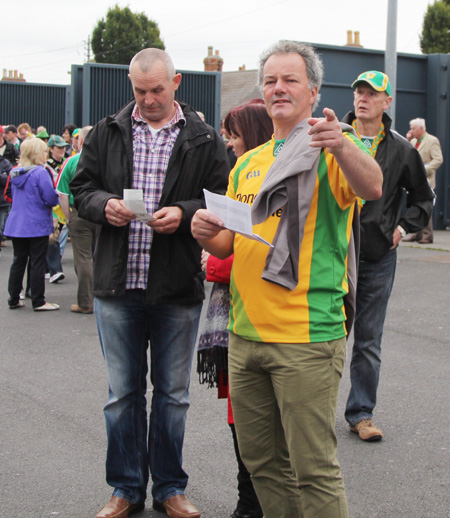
<point x="58" y="149"/>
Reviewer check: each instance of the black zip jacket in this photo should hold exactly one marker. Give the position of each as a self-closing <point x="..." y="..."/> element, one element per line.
<point x="11" y="153"/>
<point x="198" y="161"/>
<point x="402" y="169"/>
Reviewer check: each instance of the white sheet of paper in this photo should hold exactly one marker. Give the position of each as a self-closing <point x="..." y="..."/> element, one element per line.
<point x="134" y="201"/>
<point x="235" y="215"/>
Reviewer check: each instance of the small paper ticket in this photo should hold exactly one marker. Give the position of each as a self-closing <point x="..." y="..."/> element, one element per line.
<point x="134" y="201"/>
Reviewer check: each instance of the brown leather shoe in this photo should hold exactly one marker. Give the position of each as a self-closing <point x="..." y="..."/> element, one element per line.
<point x="119" y="508"/>
<point x="75" y="308"/>
<point x="425" y="241"/>
<point x="177" y="506"/>
<point x="410" y="238"/>
<point x="367" y="431"/>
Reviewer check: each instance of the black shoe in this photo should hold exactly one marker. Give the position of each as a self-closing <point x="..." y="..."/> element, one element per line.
<point x="242" y="513"/>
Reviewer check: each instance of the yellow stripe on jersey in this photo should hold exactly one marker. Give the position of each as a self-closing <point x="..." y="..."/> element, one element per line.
<point x="313" y="311"/>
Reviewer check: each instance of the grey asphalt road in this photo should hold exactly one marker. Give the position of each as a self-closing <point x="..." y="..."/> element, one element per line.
<point x="53" y="388"/>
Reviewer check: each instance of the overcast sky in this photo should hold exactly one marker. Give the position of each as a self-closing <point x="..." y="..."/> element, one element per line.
<point x="43" y="39"/>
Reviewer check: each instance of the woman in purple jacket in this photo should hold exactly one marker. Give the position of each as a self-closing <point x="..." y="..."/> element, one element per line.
<point x="30" y="222"/>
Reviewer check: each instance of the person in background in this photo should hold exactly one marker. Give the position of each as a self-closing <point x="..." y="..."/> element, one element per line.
<point x="56" y="154"/>
<point x="56" y="151"/>
<point x="24" y="131"/>
<point x="288" y="325"/>
<point x="148" y="283"/>
<point x="249" y="126"/>
<point x="82" y="233"/>
<point x="202" y="116"/>
<point x="383" y="225"/>
<point x="43" y="135"/>
<point x="12" y="136"/>
<point x="5" y="168"/>
<point x="75" y="141"/>
<point x="30" y="223"/>
<point x="226" y="138"/>
<point x="430" y="151"/>
<point x="7" y="149"/>
<point x="67" y="131"/>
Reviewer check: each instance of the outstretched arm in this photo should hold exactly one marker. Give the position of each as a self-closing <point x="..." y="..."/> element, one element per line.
<point x="362" y="172"/>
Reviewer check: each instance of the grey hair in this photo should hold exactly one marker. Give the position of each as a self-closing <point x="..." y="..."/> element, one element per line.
<point x="313" y="62"/>
<point x="147" y="58"/>
<point x="419" y="122"/>
<point x="84" y="131"/>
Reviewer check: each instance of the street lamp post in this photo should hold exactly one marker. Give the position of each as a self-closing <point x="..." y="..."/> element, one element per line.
<point x="390" y="57"/>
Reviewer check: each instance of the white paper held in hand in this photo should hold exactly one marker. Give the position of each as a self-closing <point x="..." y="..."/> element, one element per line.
<point x="134" y="201"/>
<point x="235" y="215"/>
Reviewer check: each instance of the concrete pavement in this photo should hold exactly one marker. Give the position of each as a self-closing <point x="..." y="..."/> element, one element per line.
<point x="53" y="388"/>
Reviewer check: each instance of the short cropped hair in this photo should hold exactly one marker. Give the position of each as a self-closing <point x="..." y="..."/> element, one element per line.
<point x="84" y="131"/>
<point x="419" y="122"/>
<point x="31" y="151"/>
<point x="313" y="62"/>
<point x="147" y="58"/>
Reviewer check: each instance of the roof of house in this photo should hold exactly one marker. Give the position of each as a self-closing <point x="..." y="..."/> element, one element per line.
<point x="237" y="88"/>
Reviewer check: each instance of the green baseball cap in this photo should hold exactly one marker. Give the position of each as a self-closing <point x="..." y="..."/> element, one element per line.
<point x="377" y="80"/>
<point x="56" y="140"/>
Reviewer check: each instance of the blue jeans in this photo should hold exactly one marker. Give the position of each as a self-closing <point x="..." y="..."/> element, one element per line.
<point x="54" y="259"/>
<point x="375" y="281"/>
<point x="125" y="325"/>
<point x="63" y="236"/>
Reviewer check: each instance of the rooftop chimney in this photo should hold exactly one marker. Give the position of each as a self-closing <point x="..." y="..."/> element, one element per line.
<point x="353" y="42"/>
<point x="213" y="63"/>
<point x="12" y="75"/>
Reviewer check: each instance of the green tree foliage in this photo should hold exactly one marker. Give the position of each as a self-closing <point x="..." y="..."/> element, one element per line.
<point x="124" y="33"/>
<point x="435" y="38"/>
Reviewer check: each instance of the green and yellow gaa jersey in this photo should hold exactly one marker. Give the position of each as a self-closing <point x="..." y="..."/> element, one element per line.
<point x="314" y="310"/>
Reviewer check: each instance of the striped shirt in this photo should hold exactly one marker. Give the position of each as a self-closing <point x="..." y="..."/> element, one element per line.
<point x="151" y="154"/>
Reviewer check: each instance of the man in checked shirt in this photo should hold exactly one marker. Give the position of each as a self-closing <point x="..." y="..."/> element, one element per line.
<point x="148" y="283"/>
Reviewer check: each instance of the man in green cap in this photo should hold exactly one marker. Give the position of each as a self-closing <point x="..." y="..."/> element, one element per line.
<point x="382" y="228"/>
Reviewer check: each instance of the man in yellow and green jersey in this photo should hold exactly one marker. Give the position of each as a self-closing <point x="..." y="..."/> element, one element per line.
<point x="313" y="311"/>
<point x="287" y="344"/>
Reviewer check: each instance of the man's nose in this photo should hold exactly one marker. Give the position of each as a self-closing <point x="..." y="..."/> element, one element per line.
<point x="280" y="86"/>
<point x="148" y="98"/>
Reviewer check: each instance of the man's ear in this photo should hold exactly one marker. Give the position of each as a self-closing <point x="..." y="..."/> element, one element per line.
<point x="176" y="81"/>
<point x="387" y="102"/>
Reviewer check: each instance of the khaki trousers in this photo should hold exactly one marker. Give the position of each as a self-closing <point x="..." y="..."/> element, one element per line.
<point x="82" y="235"/>
<point x="284" y="399"/>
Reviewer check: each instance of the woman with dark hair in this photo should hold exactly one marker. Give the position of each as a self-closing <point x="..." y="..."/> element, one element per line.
<point x="248" y="126"/>
<point x="67" y="131"/>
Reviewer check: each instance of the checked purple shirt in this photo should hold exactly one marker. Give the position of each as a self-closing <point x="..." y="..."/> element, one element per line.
<point x="151" y="155"/>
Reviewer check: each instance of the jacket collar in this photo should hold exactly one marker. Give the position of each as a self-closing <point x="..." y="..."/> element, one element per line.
<point x="193" y="127"/>
<point x="386" y="120"/>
